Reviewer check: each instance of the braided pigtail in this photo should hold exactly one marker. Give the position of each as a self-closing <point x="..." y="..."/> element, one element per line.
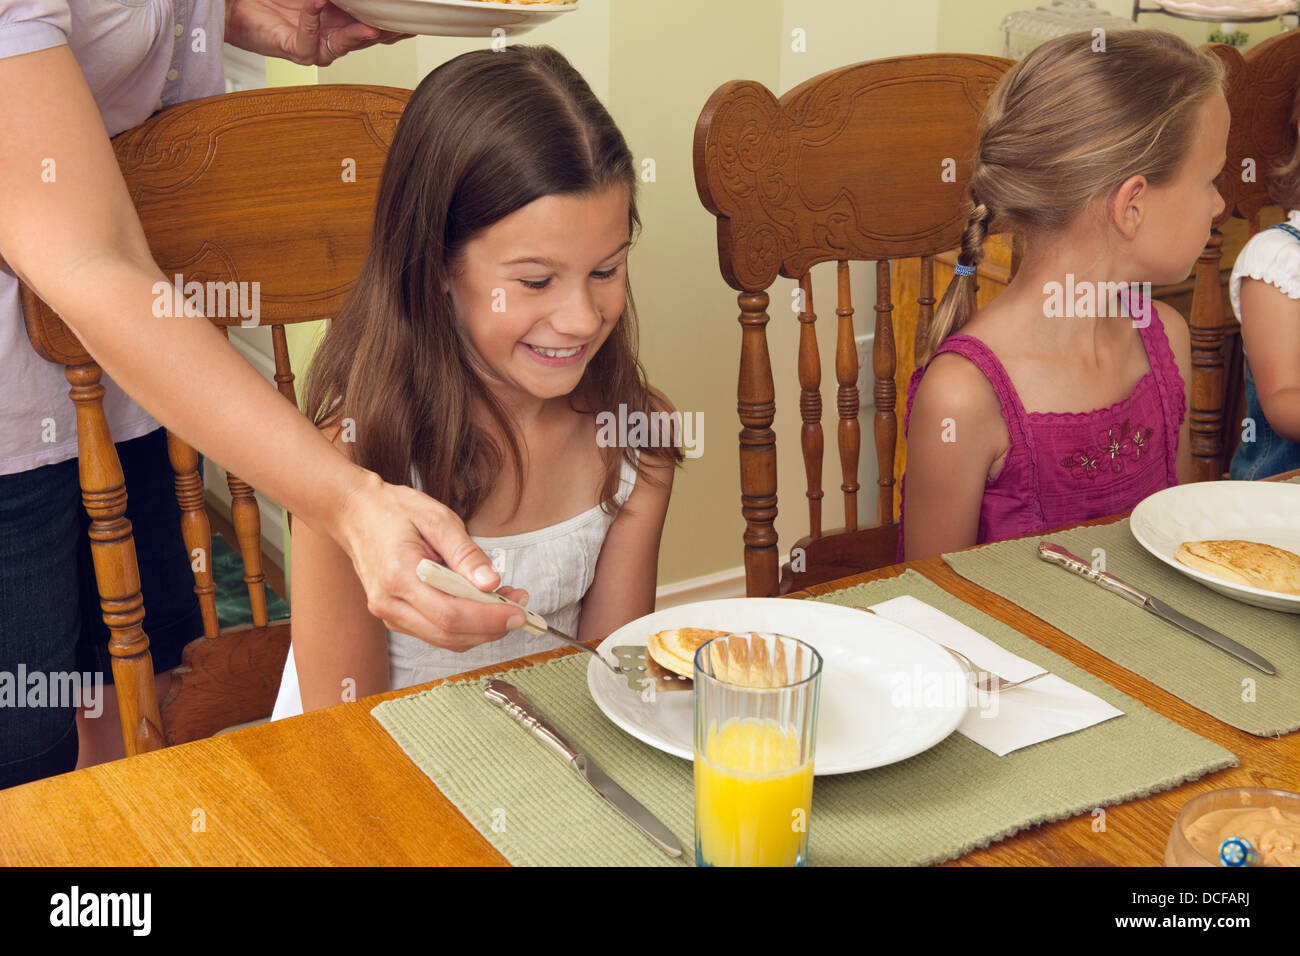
<point x="958" y="302"/>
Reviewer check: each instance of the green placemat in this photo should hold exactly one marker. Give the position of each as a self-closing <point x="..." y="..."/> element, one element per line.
<point x="953" y="798"/>
<point x="1187" y="667"/>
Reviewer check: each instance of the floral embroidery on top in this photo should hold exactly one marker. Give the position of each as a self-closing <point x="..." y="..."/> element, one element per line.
<point x="1115" y="444"/>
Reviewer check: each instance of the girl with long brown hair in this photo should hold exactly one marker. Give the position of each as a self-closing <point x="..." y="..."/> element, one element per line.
<point x="1065" y="398"/>
<point x="491" y="324"/>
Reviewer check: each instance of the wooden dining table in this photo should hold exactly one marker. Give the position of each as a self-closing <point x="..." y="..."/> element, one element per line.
<point x="331" y="787"/>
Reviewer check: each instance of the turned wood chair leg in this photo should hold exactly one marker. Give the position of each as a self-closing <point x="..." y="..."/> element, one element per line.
<point x="117" y="574"/>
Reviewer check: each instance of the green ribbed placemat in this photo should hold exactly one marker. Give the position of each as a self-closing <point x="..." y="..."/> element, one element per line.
<point x="953" y="798"/>
<point x="1189" y="668"/>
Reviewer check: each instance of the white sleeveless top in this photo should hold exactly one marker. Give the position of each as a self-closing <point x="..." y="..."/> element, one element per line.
<point x="555" y="565"/>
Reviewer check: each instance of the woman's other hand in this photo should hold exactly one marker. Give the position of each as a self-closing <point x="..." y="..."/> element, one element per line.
<point x="307" y="32"/>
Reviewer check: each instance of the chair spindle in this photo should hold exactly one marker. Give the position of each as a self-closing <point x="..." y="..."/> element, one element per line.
<point x="283" y="371"/>
<point x="925" y="308"/>
<point x="810" y="404"/>
<point x="1205" y="417"/>
<point x="248" y="529"/>
<point x="756" y="406"/>
<point x="195" y="528"/>
<point x="846" y="372"/>
<point x="884" y="363"/>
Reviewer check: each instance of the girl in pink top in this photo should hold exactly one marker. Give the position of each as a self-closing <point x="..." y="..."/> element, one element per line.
<point x="1065" y="398"/>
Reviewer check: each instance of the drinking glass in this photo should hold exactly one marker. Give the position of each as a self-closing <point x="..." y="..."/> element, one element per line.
<point x="756" y="697"/>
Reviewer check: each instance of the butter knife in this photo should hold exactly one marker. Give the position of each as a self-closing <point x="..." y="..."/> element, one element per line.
<point x="508" y="698"/>
<point x="1055" y="554"/>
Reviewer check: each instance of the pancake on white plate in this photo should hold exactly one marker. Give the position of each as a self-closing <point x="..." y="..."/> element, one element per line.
<point x="1247" y="563"/>
<point x="675" y="650"/>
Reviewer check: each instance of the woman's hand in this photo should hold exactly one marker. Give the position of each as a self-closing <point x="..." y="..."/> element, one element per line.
<point x="386" y="530"/>
<point x="308" y="32"/>
<point x="339" y="648"/>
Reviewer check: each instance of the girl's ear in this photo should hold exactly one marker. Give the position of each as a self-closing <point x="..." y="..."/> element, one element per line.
<point x="1127" y="205"/>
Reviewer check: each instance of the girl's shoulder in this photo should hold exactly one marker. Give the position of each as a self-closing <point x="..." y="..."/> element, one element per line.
<point x="1273" y="256"/>
<point x="964" y="385"/>
<point x="966" y="366"/>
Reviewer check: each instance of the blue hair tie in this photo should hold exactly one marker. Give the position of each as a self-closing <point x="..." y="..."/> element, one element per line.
<point x="963" y="270"/>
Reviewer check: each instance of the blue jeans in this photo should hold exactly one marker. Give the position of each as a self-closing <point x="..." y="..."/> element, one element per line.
<point x="50" y="618"/>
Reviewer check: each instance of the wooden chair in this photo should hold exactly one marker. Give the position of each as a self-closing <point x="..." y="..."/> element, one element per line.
<point x="847" y="166"/>
<point x="1262" y="83"/>
<point x="249" y="187"/>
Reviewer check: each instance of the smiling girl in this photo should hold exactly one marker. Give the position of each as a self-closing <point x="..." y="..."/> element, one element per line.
<point x="491" y="323"/>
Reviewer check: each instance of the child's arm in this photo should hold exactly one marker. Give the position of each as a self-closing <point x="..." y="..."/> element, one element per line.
<point x="955" y="434"/>
<point x="335" y="637"/>
<point x="623" y="588"/>
<point x="1270" y="331"/>
<point x="1180" y="342"/>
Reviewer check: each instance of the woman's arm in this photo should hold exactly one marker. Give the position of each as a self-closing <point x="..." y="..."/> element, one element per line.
<point x="1270" y="332"/>
<point x="78" y="243"/>
<point x="954" y="436"/>
<point x="624" y="585"/>
<point x="1180" y="342"/>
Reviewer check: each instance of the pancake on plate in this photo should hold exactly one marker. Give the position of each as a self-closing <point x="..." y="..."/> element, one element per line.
<point x="1248" y="563"/>
<point x="675" y="650"/>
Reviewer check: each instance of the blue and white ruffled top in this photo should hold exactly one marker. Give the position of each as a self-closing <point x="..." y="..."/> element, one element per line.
<point x="1272" y="256"/>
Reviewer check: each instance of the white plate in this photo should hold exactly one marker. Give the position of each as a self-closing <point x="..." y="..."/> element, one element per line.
<point x="1264" y="511"/>
<point x="864" y="659"/>
<point x="453" y="18"/>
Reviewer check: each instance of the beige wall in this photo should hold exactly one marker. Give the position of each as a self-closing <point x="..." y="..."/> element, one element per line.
<point x="654" y="65"/>
<point x="666" y="58"/>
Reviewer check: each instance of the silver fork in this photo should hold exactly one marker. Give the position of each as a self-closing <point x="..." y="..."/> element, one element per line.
<point x="993" y="683"/>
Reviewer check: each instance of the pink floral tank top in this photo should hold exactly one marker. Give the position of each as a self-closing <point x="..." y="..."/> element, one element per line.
<point x="1063" y="468"/>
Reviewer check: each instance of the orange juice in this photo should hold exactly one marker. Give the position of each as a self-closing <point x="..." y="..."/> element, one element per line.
<point x="752" y="796"/>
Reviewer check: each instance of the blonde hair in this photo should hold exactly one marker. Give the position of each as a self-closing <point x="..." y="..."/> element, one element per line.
<point x="1066" y="125"/>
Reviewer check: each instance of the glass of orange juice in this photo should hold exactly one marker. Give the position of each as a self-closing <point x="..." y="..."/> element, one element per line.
<point x="756" y="698"/>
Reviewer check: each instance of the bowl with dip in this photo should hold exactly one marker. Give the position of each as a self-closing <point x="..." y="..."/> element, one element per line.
<point x="1269" y="819"/>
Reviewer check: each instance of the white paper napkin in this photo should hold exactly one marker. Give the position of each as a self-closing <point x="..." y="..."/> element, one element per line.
<point x="1003" y="722"/>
